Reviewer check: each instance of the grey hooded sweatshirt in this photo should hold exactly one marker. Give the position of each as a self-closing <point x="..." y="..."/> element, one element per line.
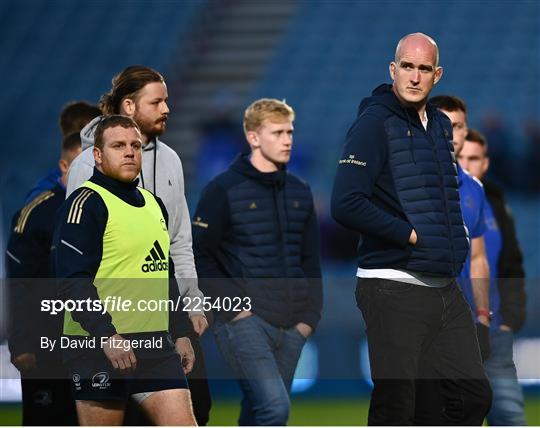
<point x="162" y="175"/>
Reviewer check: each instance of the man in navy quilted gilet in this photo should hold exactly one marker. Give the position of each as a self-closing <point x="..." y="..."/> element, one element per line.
<point x="256" y="246"/>
<point x="396" y="184"/>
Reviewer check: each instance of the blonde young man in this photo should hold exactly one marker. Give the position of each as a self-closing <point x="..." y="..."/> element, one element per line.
<point x="256" y="245"/>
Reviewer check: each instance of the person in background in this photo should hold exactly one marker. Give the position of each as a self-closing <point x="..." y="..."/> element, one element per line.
<point x="73" y="117"/>
<point x="46" y="393"/>
<point x="474" y="278"/>
<point x="256" y="242"/>
<point x="507" y="296"/>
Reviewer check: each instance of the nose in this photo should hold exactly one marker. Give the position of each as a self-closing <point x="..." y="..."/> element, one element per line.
<point x="288" y="139"/>
<point x="415" y="76"/>
<point x="165" y="108"/>
<point x="130" y="151"/>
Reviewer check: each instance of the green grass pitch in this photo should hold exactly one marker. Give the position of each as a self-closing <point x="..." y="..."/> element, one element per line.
<point x="315" y="412"/>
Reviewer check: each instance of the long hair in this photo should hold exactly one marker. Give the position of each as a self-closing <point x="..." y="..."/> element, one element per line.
<point x="127" y="84"/>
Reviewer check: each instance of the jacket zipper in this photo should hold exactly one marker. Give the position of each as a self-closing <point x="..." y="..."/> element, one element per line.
<point x="282" y="246"/>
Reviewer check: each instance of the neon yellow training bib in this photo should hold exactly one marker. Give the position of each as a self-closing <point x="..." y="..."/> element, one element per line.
<point x="134" y="266"/>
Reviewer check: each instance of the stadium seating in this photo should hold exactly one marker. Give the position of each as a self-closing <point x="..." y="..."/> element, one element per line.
<point x="62" y="50"/>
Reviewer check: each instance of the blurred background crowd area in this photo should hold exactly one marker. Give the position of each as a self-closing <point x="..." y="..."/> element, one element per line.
<point x="321" y="56"/>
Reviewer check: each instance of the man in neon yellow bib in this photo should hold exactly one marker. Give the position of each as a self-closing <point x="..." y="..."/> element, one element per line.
<point x="124" y="328"/>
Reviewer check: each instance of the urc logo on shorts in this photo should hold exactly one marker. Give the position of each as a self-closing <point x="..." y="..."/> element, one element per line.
<point x="101" y="380"/>
<point x="156" y="260"/>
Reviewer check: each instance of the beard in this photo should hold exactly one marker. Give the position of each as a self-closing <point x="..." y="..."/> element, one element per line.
<point x="150" y="128"/>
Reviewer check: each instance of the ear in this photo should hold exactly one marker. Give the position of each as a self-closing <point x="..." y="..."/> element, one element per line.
<point x="128" y="107"/>
<point x="63" y="165"/>
<point x="392" y="70"/>
<point x="438" y="75"/>
<point x="97" y="155"/>
<point x="253" y="139"/>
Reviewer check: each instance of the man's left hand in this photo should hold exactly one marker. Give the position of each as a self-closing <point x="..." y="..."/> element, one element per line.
<point x="200" y="324"/>
<point x="185" y="350"/>
<point x="304" y="329"/>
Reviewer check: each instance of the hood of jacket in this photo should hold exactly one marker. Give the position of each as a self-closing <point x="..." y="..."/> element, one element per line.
<point x="242" y="165"/>
<point x="87" y="135"/>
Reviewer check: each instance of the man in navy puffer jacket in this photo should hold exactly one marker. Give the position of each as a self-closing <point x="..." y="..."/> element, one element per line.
<point x="396" y="184"/>
<point x="256" y="245"/>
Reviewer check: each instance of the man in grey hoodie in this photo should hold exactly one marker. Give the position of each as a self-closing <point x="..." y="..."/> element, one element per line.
<point x="141" y="93"/>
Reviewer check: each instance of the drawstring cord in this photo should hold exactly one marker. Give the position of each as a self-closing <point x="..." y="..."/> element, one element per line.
<point x="155" y="162"/>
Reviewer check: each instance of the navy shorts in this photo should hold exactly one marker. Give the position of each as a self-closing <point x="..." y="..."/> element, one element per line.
<point x="94" y="378"/>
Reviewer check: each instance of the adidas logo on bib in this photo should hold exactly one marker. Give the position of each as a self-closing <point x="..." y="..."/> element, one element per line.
<point x="156" y="260"/>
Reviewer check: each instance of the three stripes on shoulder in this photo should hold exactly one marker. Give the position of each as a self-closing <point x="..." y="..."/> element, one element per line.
<point x="76" y="209"/>
<point x="27" y="210"/>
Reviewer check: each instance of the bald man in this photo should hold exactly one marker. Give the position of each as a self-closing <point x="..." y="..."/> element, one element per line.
<point x="396" y="185"/>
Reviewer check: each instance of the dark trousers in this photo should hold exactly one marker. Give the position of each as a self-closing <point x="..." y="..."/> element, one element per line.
<point x="198" y="387"/>
<point x="424" y="355"/>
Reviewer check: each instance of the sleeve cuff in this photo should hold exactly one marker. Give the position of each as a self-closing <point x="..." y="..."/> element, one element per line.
<point x="105" y="330"/>
<point x="402" y="233"/>
<point x="311" y="319"/>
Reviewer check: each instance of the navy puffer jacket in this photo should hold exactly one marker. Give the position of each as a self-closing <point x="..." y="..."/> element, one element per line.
<point x="256" y="235"/>
<point x="394" y="176"/>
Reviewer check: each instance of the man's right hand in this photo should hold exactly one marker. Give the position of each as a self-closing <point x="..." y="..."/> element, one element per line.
<point x="243" y="314"/>
<point x="413" y="238"/>
<point x="25" y="361"/>
<point x="117" y="355"/>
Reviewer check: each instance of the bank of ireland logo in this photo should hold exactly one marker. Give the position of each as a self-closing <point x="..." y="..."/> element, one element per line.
<point x="101" y="380"/>
<point x="156" y="260"/>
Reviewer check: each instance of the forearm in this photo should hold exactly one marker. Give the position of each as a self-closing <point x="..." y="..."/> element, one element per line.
<point x="185" y="271"/>
<point x="479" y="274"/>
<point x="358" y="213"/>
<point x="97" y="323"/>
<point x="480" y="287"/>
<point x="179" y="325"/>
